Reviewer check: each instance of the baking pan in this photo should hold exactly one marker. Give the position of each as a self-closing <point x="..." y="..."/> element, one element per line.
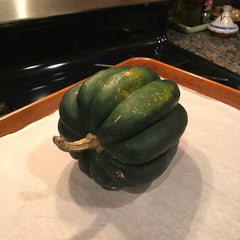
<point x="20" y="118"/>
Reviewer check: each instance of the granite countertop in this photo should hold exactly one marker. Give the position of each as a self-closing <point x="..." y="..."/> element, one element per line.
<point x="222" y="51"/>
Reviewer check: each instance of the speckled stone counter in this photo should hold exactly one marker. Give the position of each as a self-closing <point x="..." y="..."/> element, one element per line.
<point x="222" y="51"/>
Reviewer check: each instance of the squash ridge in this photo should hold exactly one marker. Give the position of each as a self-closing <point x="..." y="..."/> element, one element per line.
<point x="116" y="89"/>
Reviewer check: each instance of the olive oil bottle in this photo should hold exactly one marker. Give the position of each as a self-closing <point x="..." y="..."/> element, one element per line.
<point x="187" y="12"/>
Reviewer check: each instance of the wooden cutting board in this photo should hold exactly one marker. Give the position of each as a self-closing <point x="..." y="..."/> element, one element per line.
<point x="45" y="196"/>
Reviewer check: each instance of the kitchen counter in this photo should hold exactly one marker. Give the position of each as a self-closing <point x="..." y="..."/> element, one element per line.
<point x="222" y="51"/>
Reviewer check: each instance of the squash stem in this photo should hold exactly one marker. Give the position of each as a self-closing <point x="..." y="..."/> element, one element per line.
<point x="89" y="142"/>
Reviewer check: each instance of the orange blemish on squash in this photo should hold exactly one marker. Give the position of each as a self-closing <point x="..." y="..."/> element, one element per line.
<point x="123" y="92"/>
<point x="127" y="73"/>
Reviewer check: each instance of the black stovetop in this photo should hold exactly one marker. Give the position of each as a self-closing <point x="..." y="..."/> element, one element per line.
<point x="42" y="56"/>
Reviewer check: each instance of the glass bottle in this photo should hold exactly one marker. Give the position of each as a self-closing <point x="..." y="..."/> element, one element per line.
<point x="188" y="12"/>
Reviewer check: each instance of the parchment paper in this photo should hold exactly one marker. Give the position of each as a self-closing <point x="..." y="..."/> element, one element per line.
<point x="45" y="196"/>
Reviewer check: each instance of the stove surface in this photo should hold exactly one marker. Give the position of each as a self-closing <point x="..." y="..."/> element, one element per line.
<point x="45" y="55"/>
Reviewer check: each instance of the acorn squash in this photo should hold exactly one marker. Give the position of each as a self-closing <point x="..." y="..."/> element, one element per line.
<point x="122" y="124"/>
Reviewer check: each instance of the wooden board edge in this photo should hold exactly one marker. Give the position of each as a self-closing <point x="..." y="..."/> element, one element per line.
<point x="22" y="117"/>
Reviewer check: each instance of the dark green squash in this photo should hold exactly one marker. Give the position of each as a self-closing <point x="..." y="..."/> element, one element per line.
<point x="123" y="125"/>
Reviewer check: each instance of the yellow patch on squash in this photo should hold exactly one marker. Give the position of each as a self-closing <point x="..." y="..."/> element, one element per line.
<point x="123" y="92"/>
<point x="128" y="73"/>
<point x="119" y="174"/>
